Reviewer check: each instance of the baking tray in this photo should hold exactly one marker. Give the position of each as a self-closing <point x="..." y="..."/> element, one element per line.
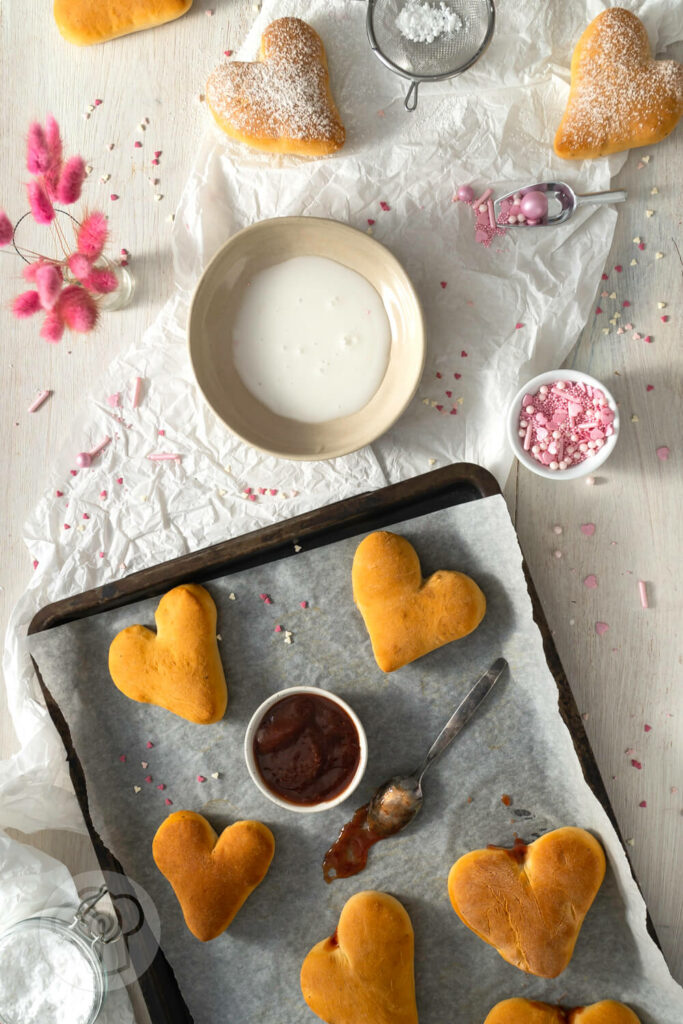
<point x="443" y="488"/>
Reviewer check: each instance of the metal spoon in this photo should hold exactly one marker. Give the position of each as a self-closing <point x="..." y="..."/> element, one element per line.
<point x="398" y="800"/>
<point x="565" y="195"/>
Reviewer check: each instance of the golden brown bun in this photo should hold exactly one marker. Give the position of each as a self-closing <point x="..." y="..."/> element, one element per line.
<point x="211" y="877"/>
<point x="530" y="902"/>
<point x="405" y="615"/>
<point x="619" y="97"/>
<point x="364" y="972"/>
<point x="281" y="103"/>
<point x="84" y="22"/>
<point x="178" y="667"/>
<point x="525" y="1011"/>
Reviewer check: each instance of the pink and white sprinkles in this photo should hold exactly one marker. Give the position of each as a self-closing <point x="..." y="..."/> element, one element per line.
<point x="564" y="423"/>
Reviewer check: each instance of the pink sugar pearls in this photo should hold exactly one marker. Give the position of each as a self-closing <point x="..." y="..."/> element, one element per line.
<point x="564" y="423"/>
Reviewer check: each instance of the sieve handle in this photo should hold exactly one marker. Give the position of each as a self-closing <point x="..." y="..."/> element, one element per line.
<point x="411" y="96"/>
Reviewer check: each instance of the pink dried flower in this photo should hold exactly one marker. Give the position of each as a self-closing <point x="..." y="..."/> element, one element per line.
<point x="26" y="305"/>
<point x="6" y="229"/>
<point x="77" y="308"/>
<point x="31" y="269"/>
<point x="102" y="281"/>
<point x="54" y="145"/>
<point x="42" y="209"/>
<point x="79" y="265"/>
<point x="37" y="150"/>
<point x="92" y="235"/>
<point x="70" y="180"/>
<point x="49" y="285"/>
<point x="53" y="327"/>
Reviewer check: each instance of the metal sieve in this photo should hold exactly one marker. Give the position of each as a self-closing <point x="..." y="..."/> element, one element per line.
<point x="448" y="55"/>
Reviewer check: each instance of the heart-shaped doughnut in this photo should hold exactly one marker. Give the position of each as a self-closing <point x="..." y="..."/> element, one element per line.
<point x="619" y="97"/>
<point x="525" y="1011"/>
<point x="529" y="902"/>
<point x="178" y="667"/>
<point x="364" y="972"/>
<point x="84" y="22"/>
<point x="405" y="615"/>
<point x="281" y="103"/>
<point x="211" y="876"/>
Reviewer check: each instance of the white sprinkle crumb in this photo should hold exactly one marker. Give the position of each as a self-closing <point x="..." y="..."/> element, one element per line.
<point x="104" y="178"/>
<point x="88" y="168"/>
<point x="646" y="159"/>
<point x="612" y="295"/>
<point x="630" y="842"/>
<point x="634" y="263"/>
<point x="90" y="108"/>
<point x="297" y="548"/>
<point x="637" y="240"/>
<point x="432" y="462"/>
<point x="142" y="127"/>
<point x="590" y="481"/>
<point x="288" y="639"/>
<point x="171" y="218"/>
<point x="219" y="637"/>
<point x="557" y="530"/>
<point x="231" y="597"/>
<point x="572" y="621"/>
<point x="109" y="146"/>
<point x="215" y="775"/>
<point x="649" y="213"/>
<point x="661" y="305"/>
<point x="557" y="554"/>
<point x="654" y="191"/>
<point x="144" y="764"/>
<point x="158" y="197"/>
<point x="136" y="789"/>
<point x="424" y="22"/>
<point x="659" y="255"/>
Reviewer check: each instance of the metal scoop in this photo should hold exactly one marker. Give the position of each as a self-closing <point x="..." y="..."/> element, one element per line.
<point x="398" y="800"/>
<point x="562" y="202"/>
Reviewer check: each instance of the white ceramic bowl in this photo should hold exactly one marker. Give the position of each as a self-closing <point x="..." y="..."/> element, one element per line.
<point x="215" y="304"/>
<point x="251" y="762"/>
<point x="584" y="468"/>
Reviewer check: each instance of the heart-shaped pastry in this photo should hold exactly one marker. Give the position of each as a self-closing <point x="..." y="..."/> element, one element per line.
<point x="525" y="1011"/>
<point x="529" y="902"/>
<point x="178" y="667"/>
<point x="619" y="97"/>
<point x="364" y="972"/>
<point x="211" y="876"/>
<point x="84" y="22"/>
<point x="405" y="615"/>
<point x="281" y="103"/>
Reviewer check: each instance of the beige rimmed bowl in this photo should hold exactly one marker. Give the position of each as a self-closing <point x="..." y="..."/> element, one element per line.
<point x="214" y="306"/>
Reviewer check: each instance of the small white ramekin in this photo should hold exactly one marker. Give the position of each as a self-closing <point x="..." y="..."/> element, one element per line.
<point x="584" y="468"/>
<point x="254" y="723"/>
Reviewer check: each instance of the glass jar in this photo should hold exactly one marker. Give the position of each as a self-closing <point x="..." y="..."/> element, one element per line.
<point x="54" y="959"/>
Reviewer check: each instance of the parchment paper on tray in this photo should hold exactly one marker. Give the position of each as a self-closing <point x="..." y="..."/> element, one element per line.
<point x="517" y="745"/>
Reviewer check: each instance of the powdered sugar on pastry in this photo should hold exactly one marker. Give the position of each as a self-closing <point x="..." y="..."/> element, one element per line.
<point x="620" y="97"/>
<point x="282" y="102"/>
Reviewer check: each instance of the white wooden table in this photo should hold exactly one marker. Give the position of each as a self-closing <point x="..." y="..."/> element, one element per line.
<point x="623" y="680"/>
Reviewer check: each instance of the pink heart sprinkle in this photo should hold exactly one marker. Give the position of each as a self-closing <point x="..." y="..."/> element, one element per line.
<point x="619" y="268"/>
<point x="463" y="354"/>
<point x="588" y="529"/>
<point x="641" y="246"/>
<point x="598" y="311"/>
<point x="625" y="304"/>
<point x="438" y="375"/>
<point x="518" y="326"/>
<point x="263" y="596"/>
<point x="385" y="206"/>
<point x="35" y="563"/>
<point x="628" y="327"/>
<point x="457" y="376"/>
<point x="573" y="409"/>
<point x="278" y="629"/>
<point x="604" y="277"/>
<point x="201" y="778"/>
<point x="304" y="604"/>
<point x="161" y="786"/>
<point x="252" y="497"/>
<point x="601" y="628"/>
<point x="148" y="778"/>
<point x="268" y="601"/>
<point x="636" y="764"/>
<point x="157" y="152"/>
<point x="541" y="433"/>
<point x="162" y="433"/>
<point x="663" y="453"/>
<point x="443" y="283"/>
<point x="591" y="582"/>
<point x="122" y="757"/>
<point x="119" y="480"/>
<point x="101" y="554"/>
<point x="664" y="319"/>
<point x="370" y="221"/>
<point x="454" y="412"/>
<point x="649" y="387"/>
<point x="155" y="162"/>
<point x="273" y="491"/>
<point x="66" y="526"/>
<point x="169" y="803"/>
<point x="98" y="103"/>
<point x="637" y="336"/>
<point x="86" y="516"/>
<point x="74" y="472"/>
<point x="647" y="728"/>
<point x="647" y="339"/>
<point x="449" y="394"/>
<point x="262" y="490"/>
<point x="113" y="197"/>
<point x="439" y="408"/>
<point x="149" y="744"/>
<point x="59" y="494"/>
<point x="643" y="803"/>
<point x="103" y="494"/>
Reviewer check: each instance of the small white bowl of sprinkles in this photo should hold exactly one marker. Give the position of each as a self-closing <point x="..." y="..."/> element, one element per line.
<point x="563" y="424"/>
